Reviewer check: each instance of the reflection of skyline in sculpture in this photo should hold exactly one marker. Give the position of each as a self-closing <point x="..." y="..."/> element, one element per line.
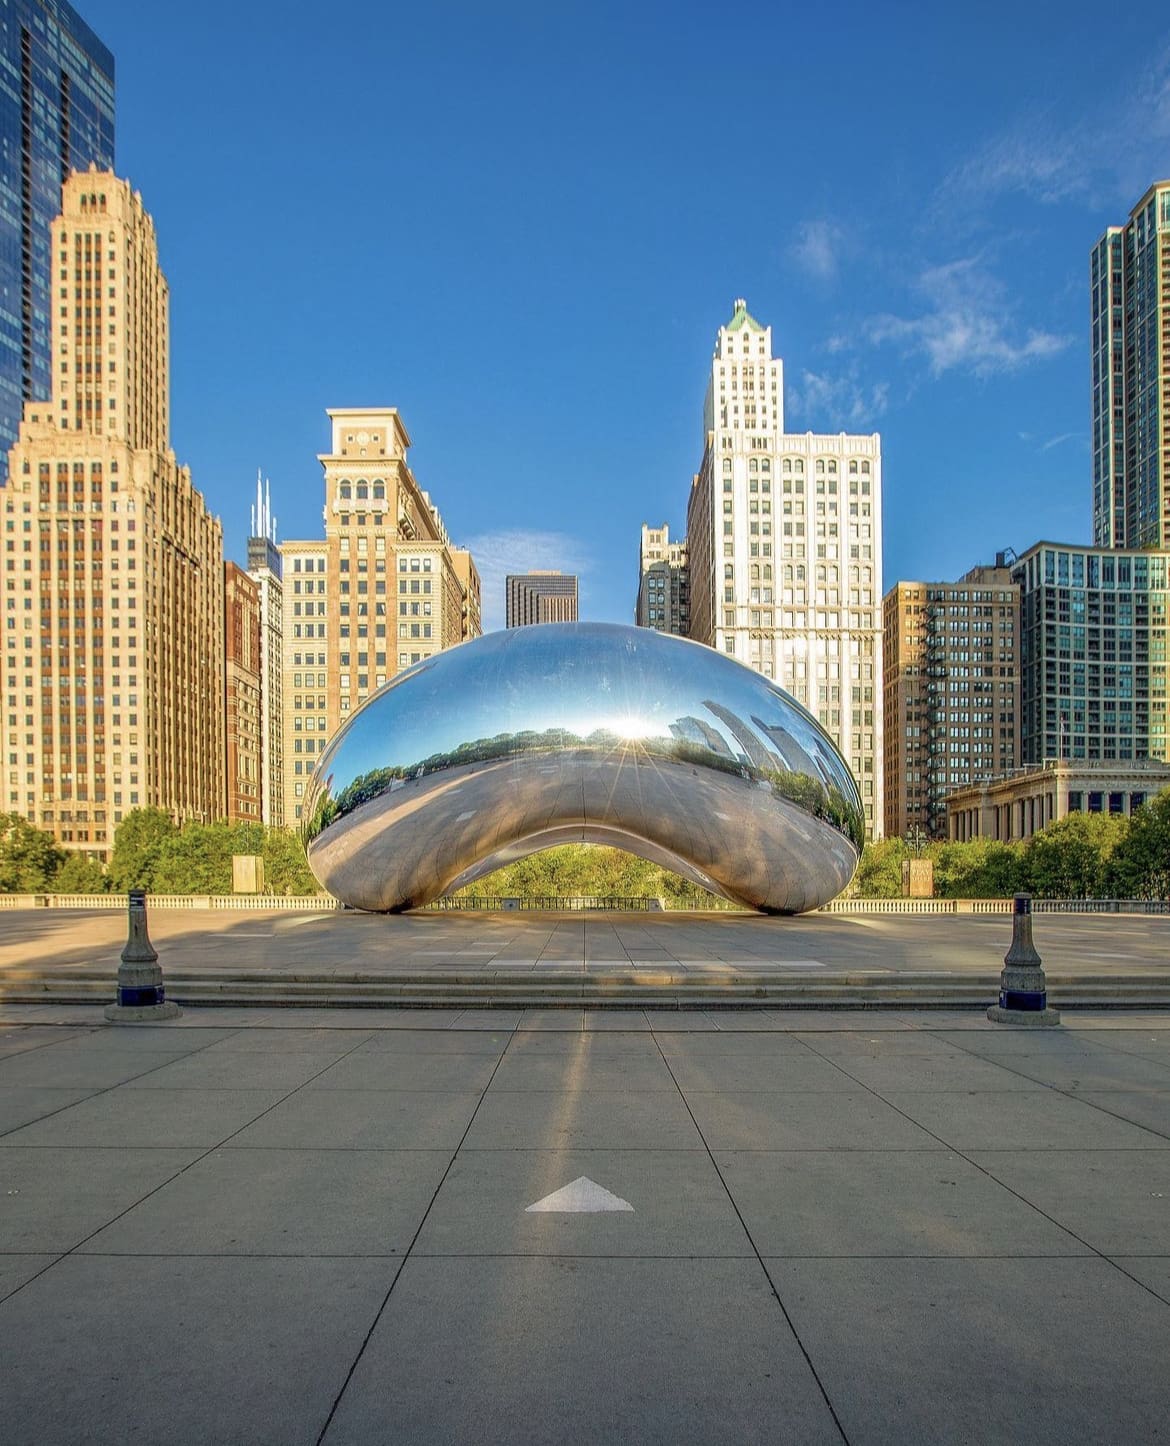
<point x="590" y="732"/>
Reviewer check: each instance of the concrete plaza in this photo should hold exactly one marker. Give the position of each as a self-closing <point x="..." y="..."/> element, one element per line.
<point x="313" y="1225"/>
<point x="531" y="958"/>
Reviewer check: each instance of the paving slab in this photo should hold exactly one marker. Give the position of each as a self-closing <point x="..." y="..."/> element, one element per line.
<point x="995" y="1351"/>
<point x="146" y="1118"/>
<point x="769" y="1071"/>
<point x="1152" y="1270"/>
<point x="19" y="1040"/>
<point x="1118" y="1201"/>
<point x="363" y="1120"/>
<point x="463" y="1040"/>
<point x="877" y="1202"/>
<point x="64" y="1067"/>
<point x="238" y="1070"/>
<point x="1148" y="1108"/>
<point x="53" y="1198"/>
<point x="1100" y="1069"/>
<point x="933" y="1072"/>
<point x="593" y="1120"/>
<point x="15" y="1270"/>
<point x="653" y="1351"/>
<point x="589" y="1069"/>
<point x="755" y="1120"/>
<point x="1020" y="1119"/>
<point x="19" y="1105"/>
<point x="298" y="1040"/>
<point x="283" y="1202"/>
<point x="680" y="1206"/>
<point x="385" y="1069"/>
<point x="171" y="1351"/>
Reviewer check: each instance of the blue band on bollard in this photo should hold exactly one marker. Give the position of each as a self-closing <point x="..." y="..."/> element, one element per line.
<point x="142" y="997"/>
<point x="1028" y="999"/>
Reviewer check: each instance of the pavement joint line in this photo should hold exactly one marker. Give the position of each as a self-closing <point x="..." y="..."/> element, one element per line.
<point x="1030" y="1204"/>
<point x="170" y="1178"/>
<point x="410" y="1248"/>
<point x="756" y="1249"/>
<point x="1001" y="1061"/>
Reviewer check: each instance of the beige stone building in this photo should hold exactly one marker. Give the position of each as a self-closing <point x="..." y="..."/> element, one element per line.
<point x="242" y="696"/>
<point x="264" y="570"/>
<point x="383" y="590"/>
<point x="112" y="667"/>
<point x="1018" y="804"/>
<point x="951" y="692"/>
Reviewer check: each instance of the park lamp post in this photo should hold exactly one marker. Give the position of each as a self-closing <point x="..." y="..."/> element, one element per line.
<point x="141" y="997"/>
<point x="1023" y="989"/>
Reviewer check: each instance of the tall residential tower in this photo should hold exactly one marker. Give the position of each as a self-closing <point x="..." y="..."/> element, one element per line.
<point x="56" y="116"/>
<point x="664" y="592"/>
<point x="785" y="539"/>
<point x="1130" y="295"/>
<point x="265" y="571"/>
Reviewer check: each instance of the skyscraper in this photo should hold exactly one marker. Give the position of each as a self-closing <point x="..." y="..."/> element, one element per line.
<point x="541" y="597"/>
<point x="265" y="571"/>
<point x="113" y="665"/>
<point x="784" y="533"/>
<point x="242" y="695"/>
<point x="663" y="583"/>
<point x="951" y="700"/>
<point x="56" y="116"/>
<point x="1130" y="296"/>
<point x="383" y="590"/>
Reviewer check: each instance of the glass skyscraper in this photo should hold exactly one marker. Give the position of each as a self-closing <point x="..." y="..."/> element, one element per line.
<point x="1130" y="283"/>
<point x="56" y="116"/>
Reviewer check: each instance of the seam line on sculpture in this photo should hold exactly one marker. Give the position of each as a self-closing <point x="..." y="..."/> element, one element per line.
<point x="408" y="1251"/>
<point x="759" y="1258"/>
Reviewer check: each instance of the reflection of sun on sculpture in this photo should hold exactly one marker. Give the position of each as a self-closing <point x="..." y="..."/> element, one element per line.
<point x="583" y="732"/>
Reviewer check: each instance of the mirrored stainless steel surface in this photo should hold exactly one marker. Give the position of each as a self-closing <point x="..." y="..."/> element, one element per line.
<point x="587" y="732"/>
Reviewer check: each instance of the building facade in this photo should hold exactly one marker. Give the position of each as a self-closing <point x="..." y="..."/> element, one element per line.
<point x="784" y="534"/>
<point x="1093" y="650"/>
<point x="243" y="686"/>
<point x="56" y="116"/>
<point x="951" y="692"/>
<point x="113" y="664"/>
<point x="664" y="589"/>
<point x="1012" y="807"/>
<point x="540" y="597"/>
<point x="1130" y="298"/>
<point x="264" y="568"/>
<point x="381" y="591"/>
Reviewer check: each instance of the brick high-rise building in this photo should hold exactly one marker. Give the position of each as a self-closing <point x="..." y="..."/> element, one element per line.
<point x="540" y="597"/>
<point x="242" y="696"/>
<point x="951" y="700"/>
<point x="56" y="116"/>
<point x="112" y="668"/>
<point x="784" y="533"/>
<point x="383" y="590"/>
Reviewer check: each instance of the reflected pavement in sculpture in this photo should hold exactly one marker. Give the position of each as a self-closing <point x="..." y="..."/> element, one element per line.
<point x="582" y="732"/>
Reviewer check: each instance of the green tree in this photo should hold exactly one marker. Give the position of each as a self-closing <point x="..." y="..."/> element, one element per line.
<point x="79" y="875"/>
<point x="879" y="875"/>
<point x="1070" y="859"/>
<point x="29" y="857"/>
<point x="980" y="869"/>
<point x="198" y="858"/>
<point x="286" y="870"/>
<point x="137" y="844"/>
<point x="1140" y="866"/>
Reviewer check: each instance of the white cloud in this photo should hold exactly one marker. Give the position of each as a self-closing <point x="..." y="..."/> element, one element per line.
<point x="518" y="549"/>
<point x="823" y="403"/>
<point x="1048" y="161"/>
<point x="967" y="325"/>
<point x="817" y="248"/>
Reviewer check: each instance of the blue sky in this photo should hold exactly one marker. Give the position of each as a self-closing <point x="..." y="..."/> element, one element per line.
<point x="522" y="225"/>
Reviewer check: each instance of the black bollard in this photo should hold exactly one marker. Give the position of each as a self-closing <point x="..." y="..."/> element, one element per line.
<point x="141" y="995"/>
<point x="1023" y="989"/>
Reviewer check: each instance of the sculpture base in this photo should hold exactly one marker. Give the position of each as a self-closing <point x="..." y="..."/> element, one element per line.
<point x="1033" y="1018"/>
<point x="141" y="1013"/>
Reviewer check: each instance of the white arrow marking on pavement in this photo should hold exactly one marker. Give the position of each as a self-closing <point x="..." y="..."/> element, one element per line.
<point x="582" y="1197"/>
